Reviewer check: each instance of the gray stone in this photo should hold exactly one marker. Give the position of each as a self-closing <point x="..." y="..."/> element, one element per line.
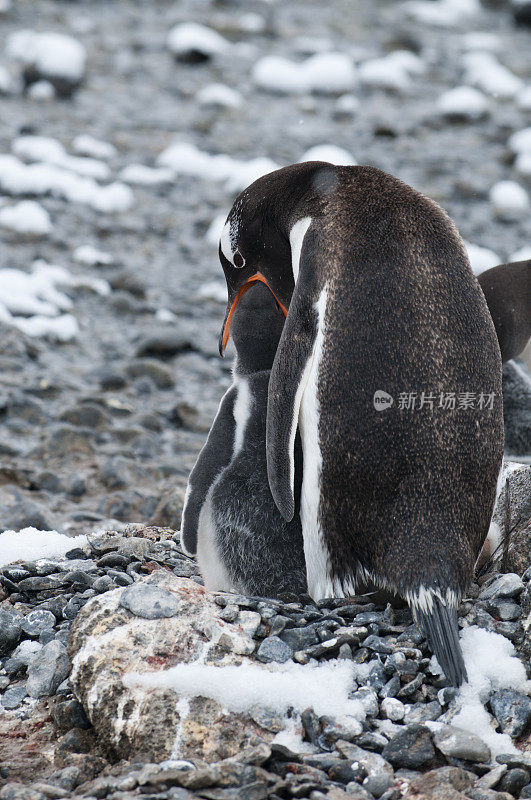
<point x="411" y="748"/>
<point x="48" y="669"/>
<point x="299" y="638"/>
<point x="273" y="649"/>
<point x="512" y="710"/>
<point x="13" y="697"/>
<point x="508" y="585"/>
<point x="514" y="781"/>
<point x="10" y="629"/>
<point x="379" y="771"/>
<point x="422" y="712"/>
<point x="149" y="602"/>
<point x="37" y="621"/>
<point x="504" y="609"/>
<point x="452" y="741"/>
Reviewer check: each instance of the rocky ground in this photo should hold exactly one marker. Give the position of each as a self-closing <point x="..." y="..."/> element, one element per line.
<point x="77" y="721"/>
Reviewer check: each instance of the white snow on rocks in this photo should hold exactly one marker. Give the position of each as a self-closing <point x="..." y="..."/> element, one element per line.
<point x="140" y="175"/>
<point x="51" y="151"/>
<point x="509" y="200"/>
<point x="485" y="72"/>
<point x="481" y="258"/>
<point x="219" y="95"/>
<point x="463" y="102"/>
<point x="520" y="144"/>
<point x="444" y="13"/>
<point x="86" y="145"/>
<point x="523" y="254"/>
<point x="191" y="37"/>
<point x="213" y="290"/>
<point x="27" y="217"/>
<point x="54" y="55"/>
<point x="91" y="257"/>
<point x="34" y="303"/>
<point x="18" y="178"/>
<point x="41" y="91"/>
<point x="327" y="73"/>
<point x="186" y="159"/>
<point x="330" y="153"/>
<point x="324" y="687"/>
<point x="30" y="544"/>
<point x="491" y="665"/>
<point x="523" y="99"/>
<point x="393" y="71"/>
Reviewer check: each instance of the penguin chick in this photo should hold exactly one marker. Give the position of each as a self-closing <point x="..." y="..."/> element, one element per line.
<point x="242" y="542"/>
<point x="383" y="304"/>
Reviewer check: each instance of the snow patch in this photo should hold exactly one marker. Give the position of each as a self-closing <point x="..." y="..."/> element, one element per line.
<point x="481" y="258"/>
<point x="51" y="151"/>
<point x="191" y="37"/>
<point x="324" y="687"/>
<point x="52" y="54"/>
<point x="91" y="257"/>
<point x="146" y="176"/>
<point x="329" y="153"/>
<point x="86" y="145"/>
<point x="393" y="71"/>
<point x="217" y="94"/>
<point x="187" y="159"/>
<point x="30" y="544"/>
<point x="509" y="200"/>
<point x="463" y="102"/>
<point x="17" y="178"/>
<point x="327" y="73"/>
<point x="485" y="72"/>
<point x="524" y="254"/>
<point x="27" y="217"/>
<point x="444" y="13"/>
<point x="491" y="665"/>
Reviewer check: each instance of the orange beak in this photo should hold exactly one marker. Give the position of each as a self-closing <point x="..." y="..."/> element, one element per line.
<point x="256" y="278"/>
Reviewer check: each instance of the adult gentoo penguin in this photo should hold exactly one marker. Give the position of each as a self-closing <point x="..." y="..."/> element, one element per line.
<point x="381" y="300"/>
<point x="507" y="290"/>
<point x="229" y="518"/>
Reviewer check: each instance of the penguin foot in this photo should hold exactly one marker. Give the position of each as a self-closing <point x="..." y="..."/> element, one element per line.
<point x="439" y="625"/>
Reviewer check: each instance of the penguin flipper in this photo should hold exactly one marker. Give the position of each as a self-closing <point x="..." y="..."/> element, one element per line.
<point x="286" y="387"/>
<point x="507" y="290"/>
<point x="215" y="455"/>
<point x="439" y="625"/>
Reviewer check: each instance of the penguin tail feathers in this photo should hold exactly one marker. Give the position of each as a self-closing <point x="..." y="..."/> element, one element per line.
<point x="438" y="622"/>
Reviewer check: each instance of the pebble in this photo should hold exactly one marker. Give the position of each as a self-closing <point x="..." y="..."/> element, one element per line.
<point x="48" y="669"/>
<point x="460" y="744"/>
<point x="512" y="709"/>
<point x="507" y="585"/>
<point x="272" y="649"/>
<point x="14" y="696"/>
<point x="10" y="629"/>
<point x="411" y="748"/>
<point x="149" y="602"/>
<point x="392" y="709"/>
<point x="514" y="781"/>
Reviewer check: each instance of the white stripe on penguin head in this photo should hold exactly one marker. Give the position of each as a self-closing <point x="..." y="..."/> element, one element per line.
<point x="225" y="242"/>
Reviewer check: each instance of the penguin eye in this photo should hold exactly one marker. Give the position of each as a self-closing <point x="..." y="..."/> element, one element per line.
<point x="238" y="260"/>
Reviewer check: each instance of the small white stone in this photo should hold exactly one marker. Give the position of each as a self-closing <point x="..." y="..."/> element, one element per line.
<point x="392" y="709"/>
<point x="520" y="142"/>
<point x="463" y="102"/>
<point x="191" y="36"/>
<point x="509" y="200"/>
<point x="481" y="258"/>
<point x="217" y="94"/>
<point x="27" y="217"/>
<point x="524" y="254"/>
<point x="522" y="163"/>
<point x="41" y="90"/>
<point x="523" y="99"/>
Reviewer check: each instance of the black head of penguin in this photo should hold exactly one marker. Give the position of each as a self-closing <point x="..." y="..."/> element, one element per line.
<point x="255" y="241"/>
<point x="256" y="329"/>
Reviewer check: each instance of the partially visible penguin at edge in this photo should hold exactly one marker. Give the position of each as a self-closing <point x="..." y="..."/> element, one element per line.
<point x="229" y="518"/>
